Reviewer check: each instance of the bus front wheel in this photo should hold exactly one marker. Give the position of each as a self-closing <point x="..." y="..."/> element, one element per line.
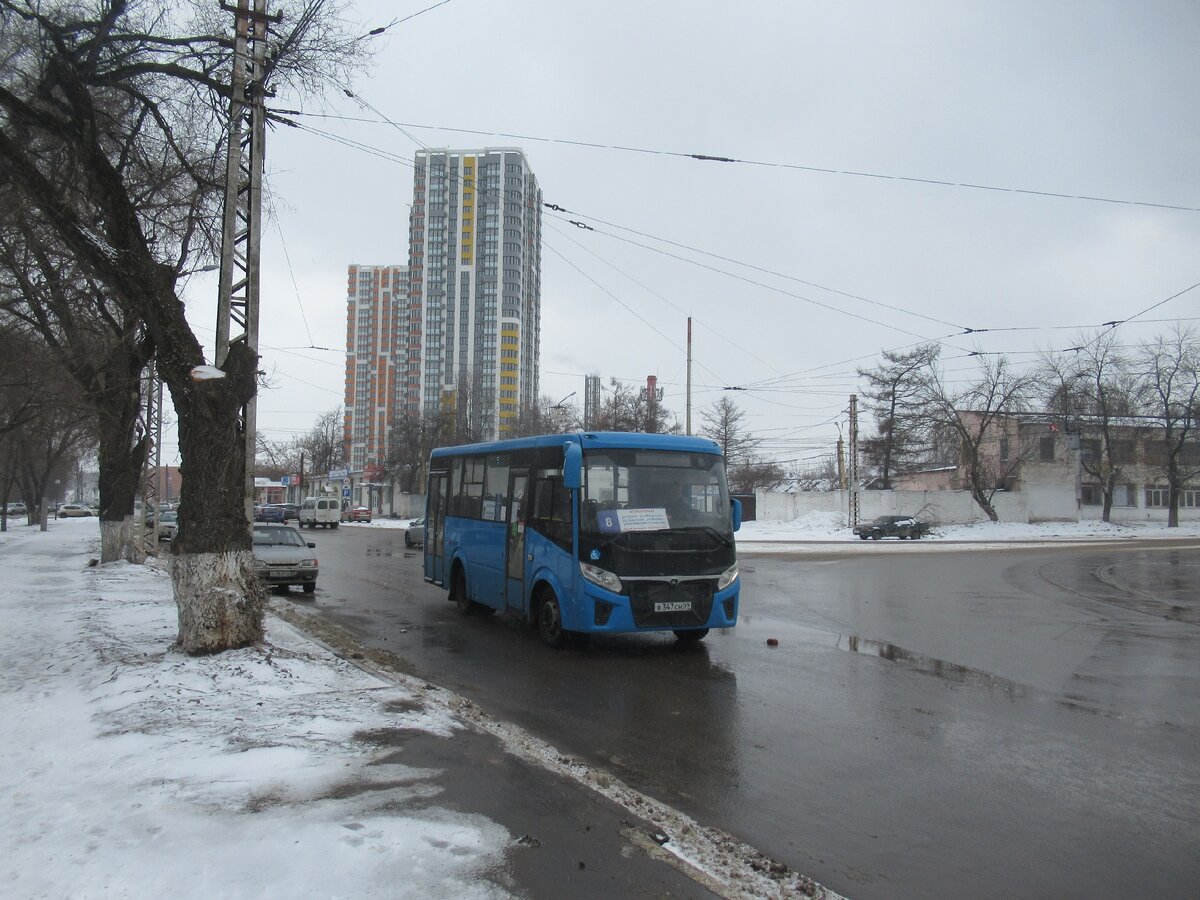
<point x="549" y="621"/>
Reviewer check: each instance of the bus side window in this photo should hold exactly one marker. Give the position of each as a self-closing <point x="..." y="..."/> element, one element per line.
<point x="456" y="474"/>
<point x="551" y="511"/>
<point x="495" y="488"/>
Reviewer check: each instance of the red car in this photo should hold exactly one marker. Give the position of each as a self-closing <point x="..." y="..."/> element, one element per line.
<point x="358" y="514"/>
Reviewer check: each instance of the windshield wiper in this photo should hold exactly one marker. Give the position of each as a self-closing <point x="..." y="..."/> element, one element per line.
<point x="708" y="529"/>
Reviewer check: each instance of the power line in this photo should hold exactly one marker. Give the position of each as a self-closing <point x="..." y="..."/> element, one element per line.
<point x="921" y="339"/>
<point x="798" y="167"/>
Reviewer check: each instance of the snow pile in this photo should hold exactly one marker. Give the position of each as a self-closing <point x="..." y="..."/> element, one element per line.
<point x="134" y="770"/>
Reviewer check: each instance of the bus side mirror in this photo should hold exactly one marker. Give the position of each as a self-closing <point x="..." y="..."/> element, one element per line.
<point x="573" y="467"/>
<point x="735" y="508"/>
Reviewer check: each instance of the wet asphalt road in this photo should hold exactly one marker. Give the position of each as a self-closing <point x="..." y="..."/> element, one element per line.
<point x="931" y="724"/>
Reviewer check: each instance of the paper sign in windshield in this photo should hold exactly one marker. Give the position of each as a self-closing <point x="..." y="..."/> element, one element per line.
<point x="615" y="521"/>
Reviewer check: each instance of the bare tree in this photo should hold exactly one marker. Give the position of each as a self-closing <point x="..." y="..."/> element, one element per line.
<point x="323" y="448"/>
<point x="42" y="449"/>
<point x="979" y="415"/>
<point x="625" y="409"/>
<point x="1091" y="390"/>
<point x="412" y="438"/>
<point x="112" y="124"/>
<point x="756" y="474"/>
<point x="93" y="341"/>
<point x="1170" y="378"/>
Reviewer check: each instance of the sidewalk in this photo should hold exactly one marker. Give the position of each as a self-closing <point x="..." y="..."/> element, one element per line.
<point x="132" y="770"/>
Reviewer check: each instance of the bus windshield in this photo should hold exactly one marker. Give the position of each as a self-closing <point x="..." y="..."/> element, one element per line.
<point x="634" y="496"/>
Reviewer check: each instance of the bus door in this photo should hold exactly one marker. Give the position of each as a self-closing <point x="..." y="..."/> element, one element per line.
<point x="514" y="550"/>
<point x="435" y="528"/>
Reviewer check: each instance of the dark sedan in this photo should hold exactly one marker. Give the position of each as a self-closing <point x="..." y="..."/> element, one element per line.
<point x="270" y="514"/>
<point x="902" y="527"/>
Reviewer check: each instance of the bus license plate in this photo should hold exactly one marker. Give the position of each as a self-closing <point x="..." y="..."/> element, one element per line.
<point x="673" y="606"/>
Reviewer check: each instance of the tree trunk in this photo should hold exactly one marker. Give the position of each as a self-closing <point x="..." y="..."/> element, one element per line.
<point x="220" y="601"/>
<point x="121" y="463"/>
<point x="118" y="540"/>
<point x="980" y="495"/>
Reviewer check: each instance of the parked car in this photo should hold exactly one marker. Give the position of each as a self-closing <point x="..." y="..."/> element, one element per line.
<point x="69" y="510"/>
<point x="326" y="511"/>
<point x="282" y="557"/>
<point x="892" y="526"/>
<point x="269" y="513"/>
<point x="414" y="533"/>
<point x="358" y="514"/>
<point x="168" y="521"/>
<point x="290" y="510"/>
<point x="17" y="509"/>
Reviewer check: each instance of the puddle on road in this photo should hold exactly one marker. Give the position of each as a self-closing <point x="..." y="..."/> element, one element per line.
<point x="926" y="665"/>
<point x="916" y="662"/>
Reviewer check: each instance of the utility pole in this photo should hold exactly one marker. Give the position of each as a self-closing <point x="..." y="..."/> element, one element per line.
<point x="841" y="461"/>
<point x="238" y="294"/>
<point x="591" y="401"/>
<point x="853" y="467"/>
<point x="148" y="537"/>
<point x="689" y="376"/>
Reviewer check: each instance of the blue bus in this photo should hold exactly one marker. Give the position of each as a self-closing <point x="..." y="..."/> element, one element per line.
<point x="586" y="533"/>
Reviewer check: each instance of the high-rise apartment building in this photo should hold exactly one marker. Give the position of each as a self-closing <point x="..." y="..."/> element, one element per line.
<point x="376" y="307"/>
<point x="474" y="299"/>
<point x="457" y="332"/>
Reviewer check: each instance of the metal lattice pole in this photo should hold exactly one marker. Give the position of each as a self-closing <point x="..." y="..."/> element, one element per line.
<point x="148" y="537"/>
<point x="852" y="468"/>
<point x="238" y="294"/>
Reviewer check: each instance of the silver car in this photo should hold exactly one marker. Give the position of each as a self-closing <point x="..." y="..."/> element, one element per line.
<point x="414" y="533"/>
<point x="282" y="557"/>
<point x="168" y="521"/>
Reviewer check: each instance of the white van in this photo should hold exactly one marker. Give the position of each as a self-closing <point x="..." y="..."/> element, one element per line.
<point x="316" y="511"/>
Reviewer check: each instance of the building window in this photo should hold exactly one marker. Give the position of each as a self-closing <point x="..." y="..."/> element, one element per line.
<point x="1091" y="495"/>
<point x="1089" y="449"/>
<point x="1157" y="496"/>
<point x="1047" y="448"/>
<point x="1125" y="495"/>
<point x="1003" y="449"/>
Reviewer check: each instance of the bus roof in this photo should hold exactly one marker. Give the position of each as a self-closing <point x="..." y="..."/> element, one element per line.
<point x="590" y="440"/>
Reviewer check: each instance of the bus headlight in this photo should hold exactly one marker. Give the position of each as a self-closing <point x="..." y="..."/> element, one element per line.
<point x="602" y="577"/>
<point x="728" y="577"/>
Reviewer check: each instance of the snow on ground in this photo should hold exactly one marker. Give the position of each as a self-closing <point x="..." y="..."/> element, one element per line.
<point x="133" y="770"/>
<point x="826" y="529"/>
<point x="830" y="527"/>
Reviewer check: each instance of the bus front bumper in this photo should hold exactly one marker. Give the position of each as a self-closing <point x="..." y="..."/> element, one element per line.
<point x="655" y="606"/>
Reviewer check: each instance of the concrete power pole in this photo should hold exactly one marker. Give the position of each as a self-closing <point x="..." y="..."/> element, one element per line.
<point x="853" y="466"/>
<point x="238" y="294"/>
<point x="689" y="376"/>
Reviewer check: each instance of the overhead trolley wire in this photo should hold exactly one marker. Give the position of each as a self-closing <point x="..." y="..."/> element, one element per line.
<point x="797" y="167"/>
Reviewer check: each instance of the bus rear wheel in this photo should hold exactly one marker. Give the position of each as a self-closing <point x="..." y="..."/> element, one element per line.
<point x="549" y="621"/>
<point x="458" y="593"/>
<point x="691" y="637"/>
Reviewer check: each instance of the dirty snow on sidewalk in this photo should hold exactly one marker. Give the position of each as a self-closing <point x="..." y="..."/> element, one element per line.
<point x="133" y="770"/>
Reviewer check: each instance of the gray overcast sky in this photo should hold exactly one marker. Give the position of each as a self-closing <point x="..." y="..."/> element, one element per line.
<point x="1080" y="98"/>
